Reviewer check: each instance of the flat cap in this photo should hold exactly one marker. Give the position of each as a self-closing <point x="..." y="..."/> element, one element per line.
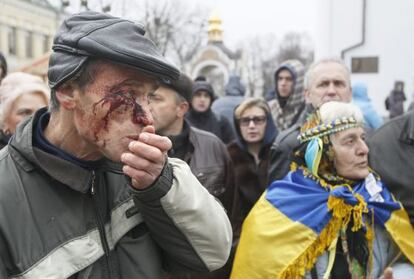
<point x="183" y="86"/>
<point x="92" y="34"/>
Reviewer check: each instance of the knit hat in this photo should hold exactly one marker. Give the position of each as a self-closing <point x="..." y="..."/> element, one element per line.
<point x="183" y="86"/>
<point x="204" y="86"/>
<point x="91" y="34"/>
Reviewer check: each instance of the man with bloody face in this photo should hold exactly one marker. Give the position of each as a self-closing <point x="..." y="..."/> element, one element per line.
<point x="87" y="189"/>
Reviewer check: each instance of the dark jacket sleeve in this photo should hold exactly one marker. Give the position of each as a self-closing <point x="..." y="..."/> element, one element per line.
<point x="281" y="153"/>
<point x="188" y="223"/>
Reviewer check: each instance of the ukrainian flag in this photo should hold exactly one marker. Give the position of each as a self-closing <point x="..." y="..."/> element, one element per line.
<point x="297" y="219"/>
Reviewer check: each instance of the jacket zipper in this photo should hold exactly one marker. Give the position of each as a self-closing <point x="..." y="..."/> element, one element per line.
<point x="101" y="226"/>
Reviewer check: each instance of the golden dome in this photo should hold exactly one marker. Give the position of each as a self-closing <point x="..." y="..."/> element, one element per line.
<point x="215" y="31"/>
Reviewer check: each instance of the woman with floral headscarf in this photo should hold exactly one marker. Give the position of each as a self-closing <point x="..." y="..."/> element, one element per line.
<point x="331" y="216"/>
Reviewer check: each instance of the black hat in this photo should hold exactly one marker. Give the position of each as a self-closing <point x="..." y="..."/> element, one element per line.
<point x="91" y="34"/>
<point x="205" y="86"/>
<point x="183" y="86"/>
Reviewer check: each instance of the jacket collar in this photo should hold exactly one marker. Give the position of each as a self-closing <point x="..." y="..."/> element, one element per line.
<point x="407" y="132"/>
<point x="30" y="157"/>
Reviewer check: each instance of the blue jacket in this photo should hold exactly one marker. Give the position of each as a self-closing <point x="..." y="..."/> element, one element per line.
<point x="361" y="99"/>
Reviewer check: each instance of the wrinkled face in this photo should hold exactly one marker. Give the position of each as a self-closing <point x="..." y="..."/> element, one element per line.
<point x="166" y="110"/>
<point x="201" y="101"/>
<point x="284" y="83"/>
<point x="351" y="153"/>
<point x="328" y="82"/>
<point x="24" y="106"/>
<point x="252" y="124"/>
<point x="112" y="110"/>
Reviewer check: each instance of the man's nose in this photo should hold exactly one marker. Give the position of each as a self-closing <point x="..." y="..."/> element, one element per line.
<point x="148" y="113"/>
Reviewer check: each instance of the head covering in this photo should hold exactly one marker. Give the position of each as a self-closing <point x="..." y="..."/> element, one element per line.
<point x="91" y="34"/>
<point x="183" y="86"/>
<point x="205" y="86"/>
<point x="235" y="87"/>
<point x="16" y="84"/>
<point x="286" y="114"/>
<point x="3" y="65"/>
<point x="316" y="152"/>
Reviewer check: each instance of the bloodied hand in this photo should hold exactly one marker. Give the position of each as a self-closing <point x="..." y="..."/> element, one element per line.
<point x="146" y="158"/>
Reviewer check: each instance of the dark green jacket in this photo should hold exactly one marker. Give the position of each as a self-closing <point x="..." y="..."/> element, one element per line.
<point x="58" y="220"/>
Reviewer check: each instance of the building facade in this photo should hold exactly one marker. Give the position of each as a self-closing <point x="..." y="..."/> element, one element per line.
<point x="27" y="28"/>
<point x="374" y="39"/>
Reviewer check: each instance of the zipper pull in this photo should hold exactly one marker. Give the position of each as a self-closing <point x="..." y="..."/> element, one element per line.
<point x="93" y="183"/>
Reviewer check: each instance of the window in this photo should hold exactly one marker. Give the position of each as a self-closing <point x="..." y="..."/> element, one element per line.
<point x="364" y="64"/>
<point x="45" y="43"/>
<point x="12" y="40"/>
<point x="29" y="44"/>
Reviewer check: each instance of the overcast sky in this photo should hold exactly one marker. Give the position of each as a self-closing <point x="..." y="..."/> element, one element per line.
<point x="247" y="18"/>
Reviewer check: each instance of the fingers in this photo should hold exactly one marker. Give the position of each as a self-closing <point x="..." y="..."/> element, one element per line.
<point x="160" y="142"/>
<point x="388" y="273"/>
<point x="149" y="129"/>
<point x="146" y="157"/>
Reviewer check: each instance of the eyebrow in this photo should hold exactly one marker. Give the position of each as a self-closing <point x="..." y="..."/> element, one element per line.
<point x="131" y="82"/>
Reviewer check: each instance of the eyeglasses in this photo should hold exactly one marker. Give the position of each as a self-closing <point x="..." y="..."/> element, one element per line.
<point x="257" y="120"/>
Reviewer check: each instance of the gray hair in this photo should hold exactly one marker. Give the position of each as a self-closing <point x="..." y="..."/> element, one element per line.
<point x="16" y="84"/>
<point x="333" y="110"/>
<point x="85" y="76"/>
<point x="309" y="72"/>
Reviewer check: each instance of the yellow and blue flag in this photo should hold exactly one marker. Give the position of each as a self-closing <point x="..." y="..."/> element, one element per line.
<point x="297" y="219"/>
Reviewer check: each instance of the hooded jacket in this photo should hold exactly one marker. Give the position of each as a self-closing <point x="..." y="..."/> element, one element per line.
<point x="286" y="115"/>
<point x="58" y="220"/>
<point x="234" y="95"/>
<point x="250" y="178"/>
<point x="208" y="120"/>
<point x="361" y="99"/>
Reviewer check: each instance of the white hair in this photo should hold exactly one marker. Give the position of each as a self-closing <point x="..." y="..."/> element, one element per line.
<point x="309" y="72"/>
<point x="333" y="110"/>
<point x="16" y="84"/>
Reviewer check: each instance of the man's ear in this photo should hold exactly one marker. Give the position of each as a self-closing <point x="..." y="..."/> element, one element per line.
<point x="65" y="96"/>
<point x="182" y="109"/>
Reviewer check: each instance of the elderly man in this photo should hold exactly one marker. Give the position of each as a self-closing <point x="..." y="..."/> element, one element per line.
<point x="67" y="208"/>
<point x="205" y="153"/>
<point x="326" y="80"/>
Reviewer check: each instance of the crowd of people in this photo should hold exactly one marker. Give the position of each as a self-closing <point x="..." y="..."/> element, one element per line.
<point x="122" y="166"/>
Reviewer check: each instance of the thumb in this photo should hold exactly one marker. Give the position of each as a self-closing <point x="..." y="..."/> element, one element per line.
<point x="149" y="129"/>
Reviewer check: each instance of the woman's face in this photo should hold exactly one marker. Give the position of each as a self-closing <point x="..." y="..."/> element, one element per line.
<point x="24" y="106"/>
<point x="252" y="123"/>
<point x="351" y="153"/>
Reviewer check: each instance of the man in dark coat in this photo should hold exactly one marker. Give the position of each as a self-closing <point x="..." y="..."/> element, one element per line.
<point x="395" y="101"/>
<point x="205" y="153"/>
<point x="201" y="116"/>
<point x="391" y="155"/>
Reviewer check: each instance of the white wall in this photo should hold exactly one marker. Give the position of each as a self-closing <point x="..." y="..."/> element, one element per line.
<point x="389" y="35"/>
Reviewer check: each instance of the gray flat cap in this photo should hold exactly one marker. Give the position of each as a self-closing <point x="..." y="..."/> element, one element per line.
<point x="98" y="35"/>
